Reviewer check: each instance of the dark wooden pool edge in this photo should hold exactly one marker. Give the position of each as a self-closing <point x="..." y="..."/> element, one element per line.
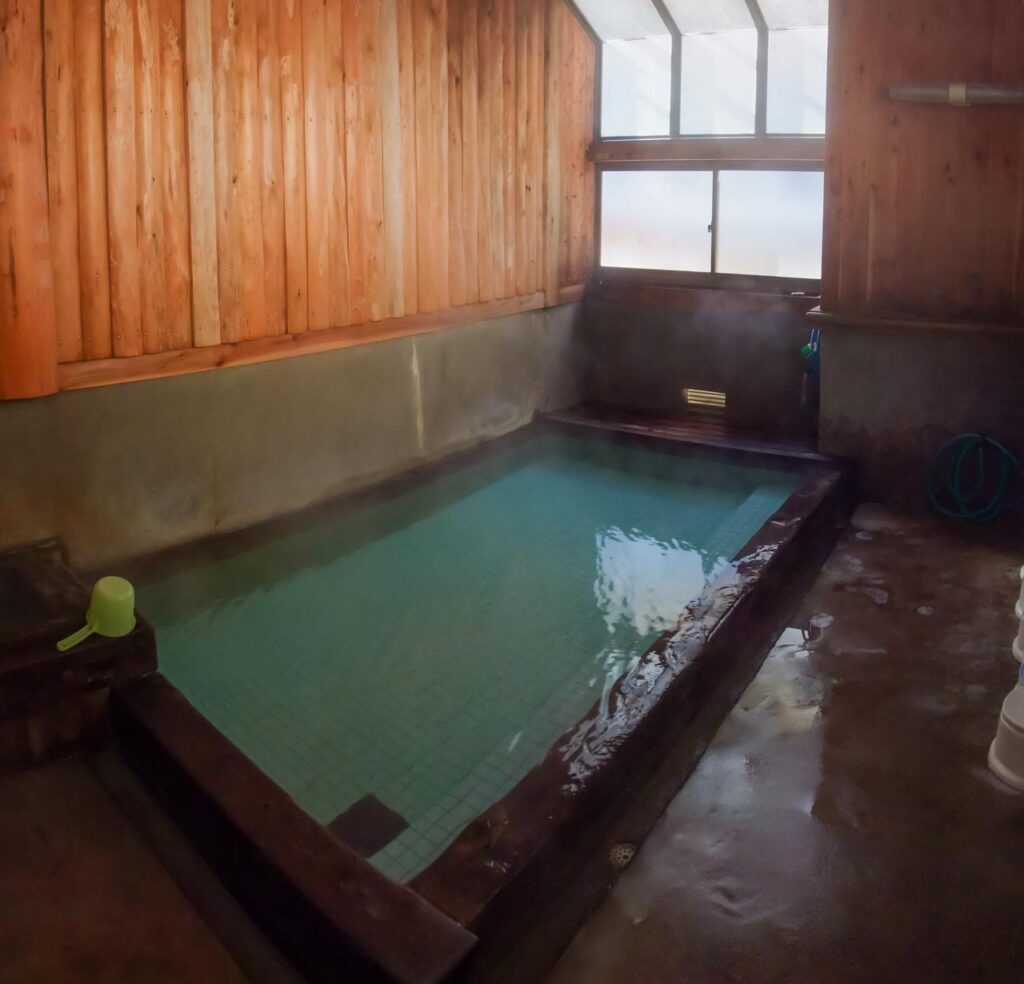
<point x="526" y="873"/>
<point x="332" y="913"/>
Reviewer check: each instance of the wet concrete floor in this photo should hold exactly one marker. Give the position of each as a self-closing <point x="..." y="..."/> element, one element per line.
<point x="844" y="826"/>
<point x="97" y="886"/>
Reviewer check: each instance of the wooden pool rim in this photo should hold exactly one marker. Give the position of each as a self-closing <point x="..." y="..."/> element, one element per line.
<point x="511" y="889"/>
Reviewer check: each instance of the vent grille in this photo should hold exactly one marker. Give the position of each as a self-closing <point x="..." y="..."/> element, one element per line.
<point x="706" y="400"/>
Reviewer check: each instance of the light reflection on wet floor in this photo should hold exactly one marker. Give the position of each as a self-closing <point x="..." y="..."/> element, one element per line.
<point x="843" y="826"/>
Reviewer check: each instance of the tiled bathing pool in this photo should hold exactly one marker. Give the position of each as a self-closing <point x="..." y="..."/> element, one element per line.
<point x="427" y="648"/>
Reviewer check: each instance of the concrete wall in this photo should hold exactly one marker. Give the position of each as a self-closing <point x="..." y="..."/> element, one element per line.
<point x="131" y="468"/>
<point x="644" y="346"/>
<point x="890" y="400"/>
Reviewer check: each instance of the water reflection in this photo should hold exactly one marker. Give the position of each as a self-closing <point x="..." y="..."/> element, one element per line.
<point x="642" y="583"/>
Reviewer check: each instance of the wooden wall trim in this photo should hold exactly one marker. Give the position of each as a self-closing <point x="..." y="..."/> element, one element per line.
<point x="832" y="320"/>
<point x="104" y="372"/>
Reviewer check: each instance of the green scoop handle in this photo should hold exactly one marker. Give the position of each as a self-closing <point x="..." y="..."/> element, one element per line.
<point x="76" y="637"/>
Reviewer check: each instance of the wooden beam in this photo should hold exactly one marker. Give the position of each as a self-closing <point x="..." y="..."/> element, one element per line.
<point x="28" y="323"/>
<point x="833" y="320"/>
<point x="811" y="149"/>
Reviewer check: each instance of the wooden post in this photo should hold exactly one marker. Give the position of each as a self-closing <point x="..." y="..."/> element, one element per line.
<point x="28" y="321"/>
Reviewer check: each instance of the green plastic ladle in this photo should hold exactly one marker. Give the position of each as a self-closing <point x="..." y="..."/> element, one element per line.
<point x="111" y="612"/>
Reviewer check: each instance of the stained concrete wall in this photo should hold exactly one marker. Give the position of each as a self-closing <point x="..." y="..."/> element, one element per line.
<point x="642" y="351"/>
<point x="128" y="469"/>
<point x="891" y="399"/>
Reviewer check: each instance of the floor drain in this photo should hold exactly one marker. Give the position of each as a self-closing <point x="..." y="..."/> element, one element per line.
<point x="622" y="854"/>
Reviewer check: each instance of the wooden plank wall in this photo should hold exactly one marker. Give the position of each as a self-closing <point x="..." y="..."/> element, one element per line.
<point x="219" y="171"/>
<point x="924" y="204"/>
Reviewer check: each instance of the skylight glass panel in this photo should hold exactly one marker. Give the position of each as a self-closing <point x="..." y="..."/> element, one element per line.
<point x="636" y="67"/>
<point x="718" y="83"/>
<point x="636" y="86"/>
<point x="797" y="80"/>
<point x="622" y="20"/>
<point x="710" y="16"/>
<point x="789" y="14"/>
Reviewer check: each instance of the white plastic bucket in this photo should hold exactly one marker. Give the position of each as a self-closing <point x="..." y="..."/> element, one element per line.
<point x="1006" y="754"/>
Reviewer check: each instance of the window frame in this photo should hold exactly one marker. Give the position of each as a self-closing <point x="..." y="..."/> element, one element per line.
<point x="760" y="151"/>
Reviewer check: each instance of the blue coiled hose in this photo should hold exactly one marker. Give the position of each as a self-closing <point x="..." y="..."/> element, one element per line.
<point x="994" y="468"/>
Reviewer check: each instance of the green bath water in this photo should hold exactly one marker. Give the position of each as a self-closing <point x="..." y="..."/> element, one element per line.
<point x="428" y="647"/>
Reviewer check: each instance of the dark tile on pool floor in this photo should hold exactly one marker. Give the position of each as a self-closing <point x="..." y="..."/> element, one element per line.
<point x="843" y="827"/>
<point x="368" y="826"/>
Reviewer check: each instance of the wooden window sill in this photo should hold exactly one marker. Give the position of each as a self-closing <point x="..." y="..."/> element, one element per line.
<point x="832" y="320"/>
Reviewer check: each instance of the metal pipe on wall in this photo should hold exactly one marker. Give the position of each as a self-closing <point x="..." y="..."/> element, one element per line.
<point x="960" y="94"/>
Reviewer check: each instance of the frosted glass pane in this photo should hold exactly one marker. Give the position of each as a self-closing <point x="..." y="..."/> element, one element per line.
<point x="719" y="82"/>
<point x="707" y="16"/>
<point x="656" y="220"/>
<point x="769" y="223"/>
<point x="794" y="13"/>
<point x="622" y="20"/>
<point x="636" y="86"/>
<point x="797" y="74"/>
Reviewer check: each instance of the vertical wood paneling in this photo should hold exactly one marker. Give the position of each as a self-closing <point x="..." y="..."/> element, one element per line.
<point x="247" y="184"/>
<point x="470" y="193"/>
<point x="507" y="136"/>
<point x="339" y="291"/>
<point x="576" y="116"/>
<point x="499" y="147"/>
<point x="220" y="171"/>
<point x="149" y="174"/>
<point x="203" y="175"/>
<point x="272" y="168"/>
<point x="521" y="136"/>
<point x="407" y="103"/>
<point x="94" y="264"/>
<point x="62" y="172"/>
<point x="122" y="178"/>
<point x="174" y="192"/>
<point x="28" y="330"/>
<point x="430" y="31"/>
<point x="364" y="158"/>
<point x="486" y="241"/>
<point x="456" y="212"/>
<point x="538" y="101"/>
<point x="389" y="96"/>
<point x="229" y="259"/>
<point x="314" y="48"/>
<point x="293" y="141"/>
<point x="924" y="203"/>
<point x="553" y="197"/>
